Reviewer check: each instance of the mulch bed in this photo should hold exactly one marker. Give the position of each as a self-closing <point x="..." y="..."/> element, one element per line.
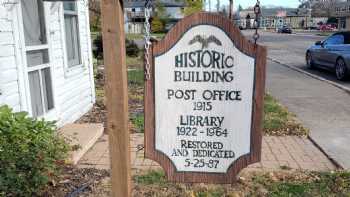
<point x="74" y="182"/>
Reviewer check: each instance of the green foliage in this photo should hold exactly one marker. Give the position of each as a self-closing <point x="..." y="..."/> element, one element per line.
<point x="160" y="18"/>
<point x="160" y="9"/>
<point x="95" y="24"/>
<point x="274" y="184"/>
<point x="138" y="121"/>
<point x="97" y="48"/>
<point x="30" y="153"/>
<point x="275" y="114"/>
<point x="332" y="20"/>
<point x="278" y="121"/>
<point x="151" y="178"/>
<point x="317" y="184"/>
<point x="193" y="6"/>
<point x="240" y="8"/>
<point x="136" y="77"/>
<point x="157" y="25"/>
<point x="212" y="192"/>
<point x="132" y="49"/>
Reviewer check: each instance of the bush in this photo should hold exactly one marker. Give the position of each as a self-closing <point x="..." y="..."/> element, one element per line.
<point x="31" y="153"/>
<point x="132" y="49"/>
<point x="157" y="25"/>
<point x="97" y="48"/>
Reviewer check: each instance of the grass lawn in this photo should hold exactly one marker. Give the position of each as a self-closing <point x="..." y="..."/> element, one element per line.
<point x="284" y="183"/>
<point x="134" y="62"/>
<point x="141" y="36"/>
<point x="326" y="33"/>
<point x="278" y="121"/>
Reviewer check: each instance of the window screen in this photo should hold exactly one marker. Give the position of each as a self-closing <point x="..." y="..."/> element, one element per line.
<point x="33" y="22"/>
<point x="41" y="92"/>
<point x="72" y="33"/>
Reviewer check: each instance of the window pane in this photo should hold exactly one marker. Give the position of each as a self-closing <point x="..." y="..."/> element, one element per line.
<point x="72" y="39"/>
<point x="33" y="22"/>
<point x="70" y="6"/>
<point x="47" y="89"/>
<point x="336" y="39"/>
<point x="37" y="57"/>
<point x="35" y="93"/>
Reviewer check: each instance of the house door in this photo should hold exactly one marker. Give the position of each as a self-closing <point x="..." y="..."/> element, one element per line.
<point x="36" y="59"/>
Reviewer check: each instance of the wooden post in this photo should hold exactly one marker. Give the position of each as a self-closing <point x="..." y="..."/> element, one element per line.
<point x="117" y="95"/>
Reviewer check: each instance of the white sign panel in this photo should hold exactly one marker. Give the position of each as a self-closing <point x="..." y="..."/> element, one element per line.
<point x="203" y="101"/>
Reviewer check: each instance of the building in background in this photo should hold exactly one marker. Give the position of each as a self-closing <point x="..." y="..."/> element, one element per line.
<point x="135" y="14"/>
<point x="341" y="11"/>
<point x="46" y="60"/>
<point x="272" y="18"/>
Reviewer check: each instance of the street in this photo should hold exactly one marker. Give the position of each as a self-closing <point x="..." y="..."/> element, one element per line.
<point x="290" y="49"/>
<point x="320" y="106"/>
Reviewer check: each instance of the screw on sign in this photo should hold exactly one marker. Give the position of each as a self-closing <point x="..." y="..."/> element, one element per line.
<point x="204" y="100"/>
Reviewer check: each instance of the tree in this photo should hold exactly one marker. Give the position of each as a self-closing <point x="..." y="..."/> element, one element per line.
<point x="324" y="8"/>
<point x="304" y="4"/>
<point x="193" y="6"/>
<point x="160" y="17"/>
<point x="95" y="15"/>
<point x="240" y="8"/>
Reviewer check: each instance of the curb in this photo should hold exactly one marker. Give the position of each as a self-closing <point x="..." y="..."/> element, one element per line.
<point x="346" y="89"/>
<point x="337" y="165"/>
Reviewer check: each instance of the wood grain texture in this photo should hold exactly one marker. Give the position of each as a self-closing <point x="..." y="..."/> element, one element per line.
<point x="117" y="96"/>
<point x="245" y="46"/>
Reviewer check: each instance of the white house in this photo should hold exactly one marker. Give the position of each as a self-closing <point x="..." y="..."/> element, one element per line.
<point x="45" y="58"/>
<point x="134" y="15"/>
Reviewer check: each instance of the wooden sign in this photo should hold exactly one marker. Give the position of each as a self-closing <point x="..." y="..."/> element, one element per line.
<point x="204" y="101"/>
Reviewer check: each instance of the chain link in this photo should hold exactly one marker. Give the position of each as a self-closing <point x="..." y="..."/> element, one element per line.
<point x="257" y="12"/>
<point x="148" y="43"/>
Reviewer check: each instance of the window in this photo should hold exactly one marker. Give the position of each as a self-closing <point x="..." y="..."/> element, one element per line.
<point x="37" y="57"/>
<point x="334" y="40"/>
<point x="72" y="33"/>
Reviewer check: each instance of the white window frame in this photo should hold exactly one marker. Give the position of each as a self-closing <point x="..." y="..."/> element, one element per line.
<point x="26" y="69"/>
<point x="71" y="70"/>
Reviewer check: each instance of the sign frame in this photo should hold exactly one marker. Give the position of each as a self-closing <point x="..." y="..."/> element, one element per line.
<point x="242" y="44"/>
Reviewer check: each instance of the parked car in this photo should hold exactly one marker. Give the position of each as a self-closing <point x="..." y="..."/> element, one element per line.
<point x="333" y="53"/>
<point x="285" y="29"/>
<point x="327" y="27"/>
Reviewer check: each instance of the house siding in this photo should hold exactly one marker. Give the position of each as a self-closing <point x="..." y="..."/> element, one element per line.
<point x="9" y="89"/>
<point x="73" y="88"/>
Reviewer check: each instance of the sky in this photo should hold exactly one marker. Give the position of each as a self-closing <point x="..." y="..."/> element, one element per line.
<point x="249" y="3"/>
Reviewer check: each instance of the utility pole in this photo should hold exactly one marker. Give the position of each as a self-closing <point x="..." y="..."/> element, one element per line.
<point x="231" y="10"/>
<point x="218" y="6"/>
<point x="209" y="5"/>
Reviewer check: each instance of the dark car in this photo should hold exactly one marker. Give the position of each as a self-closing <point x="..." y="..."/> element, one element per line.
<point x="285" y="29"/>
<point x="332" y="53"/>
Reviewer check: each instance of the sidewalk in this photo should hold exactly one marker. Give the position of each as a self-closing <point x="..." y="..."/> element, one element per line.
<point x="277" y="153"/>
<point x="321" y="107"/>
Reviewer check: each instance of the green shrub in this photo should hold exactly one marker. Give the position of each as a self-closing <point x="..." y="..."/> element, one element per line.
<point x="157" y="25"/>
<point x="31" y="153"/>
<point x="132" y="49"/>
<point x="138" y="121"/>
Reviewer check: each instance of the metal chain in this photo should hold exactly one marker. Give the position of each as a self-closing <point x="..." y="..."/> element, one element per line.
<point x="257" y="12"/>
<point x="148" y="43"/>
